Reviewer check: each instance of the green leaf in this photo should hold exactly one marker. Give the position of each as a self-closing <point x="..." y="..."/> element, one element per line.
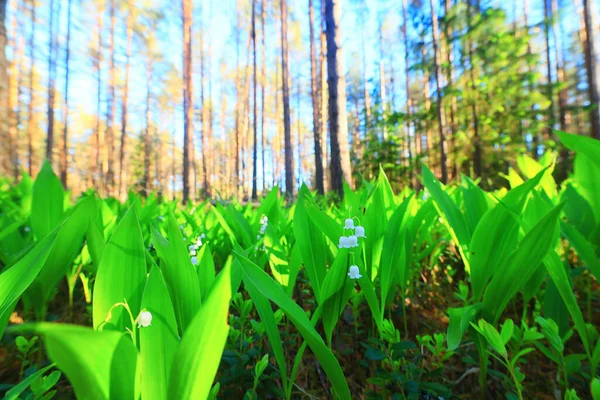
<point x="456" y="222"/>
<point x="312" y="247"/>
<point x="47" y="202"/>
<point x="121" y="274"/>
<point x="158" y="342"/>
<point x="69" y="241"/>
<point x="275" y="293"/>
<point x="584" y="248"/>
<point x="586" y="146"/>
<point x="95" y="243"/>
<point x="265" y="312"/>
<point x="199" y="354"/>
<point x="106" y="369"/>
<point x="460" y="319"/>
<point x="16" y="279"/>
<point x="205" y="269"/>
<point x="15" y="391"/>
<point x="507" y="330"/>
<point x="179" y="273"/>
<point x="520" y="266"/>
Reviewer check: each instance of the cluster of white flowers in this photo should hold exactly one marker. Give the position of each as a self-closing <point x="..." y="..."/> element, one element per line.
<point x="264" y="221"/>
<point x="348" y="242"/>
<point x="193" y="248"/>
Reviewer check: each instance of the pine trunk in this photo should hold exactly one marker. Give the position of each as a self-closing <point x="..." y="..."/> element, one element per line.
<point x="289" y="158"/>
<point x="591" y="64"/>
<point x="124" y="109"/>
<point x="188" y="106"/>
<point x="315" y="103"/>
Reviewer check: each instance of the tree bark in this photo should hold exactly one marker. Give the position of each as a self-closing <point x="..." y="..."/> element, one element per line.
<point x="147" y="138"/>
<point x="263" y="84"/>
<point x="64" y="166"/>
<point x="411" y="167"/>
<point x="436" y="70"/>
<point x="591" y="64"/>
<point x="323" y="97"/>
<point x="289" y="158"/>
<point x="205" y="131"/>
<point x="109" y="140"/>
<point x="51" y="85"/>
<point x="5" y="106"/>
<point x="338" y="122"/>
<point x="315" y="103"/>
<point x="478" y="156"/>
<point x="549" y="88"/>
<point x="188" y="106"/>
<point x="254" y="105"/>
<point x="31" y="120"/>
<point x="124" y="109"/>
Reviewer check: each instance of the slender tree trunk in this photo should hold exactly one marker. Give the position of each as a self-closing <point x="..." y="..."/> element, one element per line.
<point x="411" y="168"/>
<point x="205" y="131"/>
<point x="255" y="109"/>
<point x="31" y="119"/>
<point x="315" y="103"/>
<point x="549" y="88"/>
<point x="5" y="97"/>
<point x="147" y="138"/>
<point x="436" y="70"/>
<point x="426" y="91"/>
<point x="289" y="158"/>
<point x="263" y="84"/>
<point x="124" y="109"/>
<point x="323" y="98"/>
<point x="453" y="106"/>
<point x="99" y="164"/>
<point x="591" y="65"/>
<point x="382" y="91"/>
<point x="52" y="50"/>
<point x="338" y="122"/>
<point x="238" y="96"/>
<point x="64" y="154"/>
<point x="478" y="156"/>
<point x="188" y="106"/>
<point x="367" y="125"/>
<point x="109" y="140"/>
<point x="562" y="93"/>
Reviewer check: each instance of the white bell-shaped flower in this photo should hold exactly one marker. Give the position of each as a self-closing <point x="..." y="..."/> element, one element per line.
<point x="343" y="242"/>
<point x="194" y="260"/>
<point x="354" y="273"/>
<point x="359" y="231"/>
<point x="349" y="224"/>
<point x="202" y="236"/>
<point x="352" y="241"/>
<point x="144" y="320"/>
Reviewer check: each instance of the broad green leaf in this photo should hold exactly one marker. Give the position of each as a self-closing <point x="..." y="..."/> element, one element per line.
<point x="586" y="176"/>
<point x="275" y="293"/>
<point x="265" y="312"/>
<point x="95" y="243"/>
<point x="179" y="273"/>
<point x="460" y="319"/>
<point x="206" y="270"/>
<point x="47" y="202"/>
<point x="456" y="222"/>
<point x="476" y="202"/>
<point x="199" y="354"/>
<point x="312" y="247"/>
<point x="586" y="146"/>
<point x="158" y="342"/>
<point x="121" y="274"/>
<point x="105" y="369"/>
<point x="584" y="249"/>
<point x="16" y="279"/>
<point x="520" y="266"/>
<point x="67" y="246"/>
<point x="14" y="392"/>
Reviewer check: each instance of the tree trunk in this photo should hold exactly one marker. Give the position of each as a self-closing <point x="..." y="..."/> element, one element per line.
<point x="315" y="102"/>
<point x="64" y="154"/>
<point x="188" y="106"/>
<point x="205" y="131"/>
<point x="122" y="167"/>
<point x="436" y="70"/>
<point x="238" y="96"/>
<point x="382" y="86"/>
<point x="99" y="164"/>
<point x="411" y="167"/>
<point x="109" y="140"/>
<point x="323" y="98"/>
<point x="5" y="106"/>
<point x="255" y="109"/>
<point x="453" y="105"/>
<point x="147" y="139"/>
<point x="52" y="50"/>
<point x="478" y="156"/>
<point x="591" y="65"/>
<point x="338" y="123"/>
<point x="562" y="93"/>
<point x="289" y="158"/>
<point x="31" y="120"/>
<point x="549" y="88"/>
<point x="263" y="84"/>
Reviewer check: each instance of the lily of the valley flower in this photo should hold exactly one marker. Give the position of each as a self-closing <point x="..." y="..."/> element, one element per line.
<point x="347" y="242"/>
<point x="144" y="320"/>
<point x="349" y="224"/>
<point x="359" y="231"/>
<point x="354" y="273"/>
<point x="194" y="260"/>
